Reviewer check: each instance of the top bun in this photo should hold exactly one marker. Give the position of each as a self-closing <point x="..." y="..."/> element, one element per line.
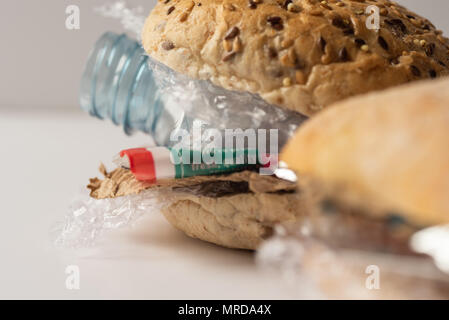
<point x="387" y="150"/>
<point x="302" y="55"/>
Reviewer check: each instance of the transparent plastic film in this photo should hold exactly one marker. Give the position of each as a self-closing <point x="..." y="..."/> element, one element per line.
<point x="132" y="19"/>
<point x="87" y="218"/>
<point x="220" y="108"/>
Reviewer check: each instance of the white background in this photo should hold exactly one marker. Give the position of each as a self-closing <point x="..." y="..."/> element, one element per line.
<point x="49" y="149"/>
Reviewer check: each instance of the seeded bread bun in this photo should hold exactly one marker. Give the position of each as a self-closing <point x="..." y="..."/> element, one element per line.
<point x="302" y="55"/>
<point x="386" y="150"/>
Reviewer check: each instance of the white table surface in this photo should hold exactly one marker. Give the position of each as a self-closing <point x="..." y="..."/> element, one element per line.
<point x="47" y="157"/>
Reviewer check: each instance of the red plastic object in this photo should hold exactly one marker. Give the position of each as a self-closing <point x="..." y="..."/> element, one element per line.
<point x="141" y="163"/>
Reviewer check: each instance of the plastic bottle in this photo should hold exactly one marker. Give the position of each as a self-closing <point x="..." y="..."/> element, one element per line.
<point x="120" y="83"/>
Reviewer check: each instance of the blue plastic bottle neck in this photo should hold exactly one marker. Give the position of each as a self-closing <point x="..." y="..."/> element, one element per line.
<point x="117" y="84"/>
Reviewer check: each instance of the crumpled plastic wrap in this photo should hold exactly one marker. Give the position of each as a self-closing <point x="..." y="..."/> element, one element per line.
<point x="131" y="19"/>
<point x="88" y="218"/>
<point x="222" y="109"/>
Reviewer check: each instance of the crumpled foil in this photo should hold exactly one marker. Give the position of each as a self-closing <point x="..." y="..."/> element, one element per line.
<point x="88" y="218"/>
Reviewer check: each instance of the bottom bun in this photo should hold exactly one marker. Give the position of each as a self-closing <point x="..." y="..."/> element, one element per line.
<point x="240" y="221"/>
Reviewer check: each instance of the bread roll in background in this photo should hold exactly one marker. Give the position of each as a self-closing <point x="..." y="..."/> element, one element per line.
<point x="388" y="150"/>
<point x="301" y="55"/>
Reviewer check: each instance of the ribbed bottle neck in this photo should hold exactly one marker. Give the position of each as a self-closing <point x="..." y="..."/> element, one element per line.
<point x="117" y="83"/>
